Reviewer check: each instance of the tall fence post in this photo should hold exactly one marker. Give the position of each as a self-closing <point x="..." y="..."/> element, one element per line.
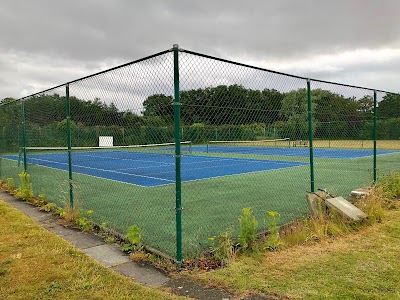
<point x="177" y="118"/>
<point x="68" y="115"/>
<point x="375" y="135"/>
<point x="310" y="135"/>
<point x="23" y="134"/>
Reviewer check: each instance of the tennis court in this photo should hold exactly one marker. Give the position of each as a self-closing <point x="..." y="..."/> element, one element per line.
<point x="152" y="169"/>
<point x="293" y="151"/>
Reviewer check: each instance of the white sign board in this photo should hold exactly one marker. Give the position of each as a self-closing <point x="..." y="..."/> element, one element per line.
<point x="106" y="141"/>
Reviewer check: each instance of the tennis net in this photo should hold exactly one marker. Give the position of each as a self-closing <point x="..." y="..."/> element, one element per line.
<point x="246" y="146"/>
<point x="128" y="150"/>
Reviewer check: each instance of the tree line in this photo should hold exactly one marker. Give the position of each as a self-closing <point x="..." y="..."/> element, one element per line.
<point x="221" y="112"/>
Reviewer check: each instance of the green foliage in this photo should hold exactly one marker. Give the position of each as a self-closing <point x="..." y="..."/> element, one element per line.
<point x="390" y="185"/>
<point x="273" y="240"/>
<point x="73" y="252"/>
<point x="26" y="191"/>
<point x="59" y="212"/>
<point x="134" y="237"/>
<point x="48" y="207"/>
<point x="10" y="184"/>
<point x="40" y="200"/>
<point x="247" y="230"/>
<point x="105" y="233"/>
<point x="222" y="245"/>
<point x="84" y="222"/>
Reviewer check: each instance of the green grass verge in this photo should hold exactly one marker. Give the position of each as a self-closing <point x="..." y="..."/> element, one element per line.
<point x="361" y="265"/>
<point x="36" y="264"/>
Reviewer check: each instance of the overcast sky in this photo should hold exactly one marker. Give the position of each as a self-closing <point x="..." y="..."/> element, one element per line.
<point x="44" y="43"/>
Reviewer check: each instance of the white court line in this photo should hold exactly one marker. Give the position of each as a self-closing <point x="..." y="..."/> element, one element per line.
<point x="105" y="170"/>
<point x="236" y="174"/>
<point x="132" y="159"/>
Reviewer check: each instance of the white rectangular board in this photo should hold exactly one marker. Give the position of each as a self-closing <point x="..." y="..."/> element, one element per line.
<point x="106" y="141"/>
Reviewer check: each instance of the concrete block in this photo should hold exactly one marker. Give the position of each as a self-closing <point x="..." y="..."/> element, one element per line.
<point x="316" y="201"/>
<point x="358" y="194"/>
<point x="346" y="209"/>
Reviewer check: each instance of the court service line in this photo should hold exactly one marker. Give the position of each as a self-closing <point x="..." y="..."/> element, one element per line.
<point x="84" y="174"/>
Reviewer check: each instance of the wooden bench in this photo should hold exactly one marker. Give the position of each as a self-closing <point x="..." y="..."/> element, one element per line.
<point x="300" y="143"/>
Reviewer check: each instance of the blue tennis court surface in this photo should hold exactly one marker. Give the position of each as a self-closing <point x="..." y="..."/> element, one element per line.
<point x="149" y="170"/>
<point x="301" y="152"/>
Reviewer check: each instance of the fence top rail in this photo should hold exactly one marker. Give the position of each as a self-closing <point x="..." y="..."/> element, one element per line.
<point x="201" y="55"/>
<point x="281" y="73"/>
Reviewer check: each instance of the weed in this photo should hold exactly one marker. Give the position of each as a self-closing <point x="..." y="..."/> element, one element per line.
<point x="59" y="212"/>
<point x="48" y="207"/>
<point x="54" y="287"/>
<point x="106" y="234"/>
<point x="248" y="228"/>
<point x="87" y="285"/>
<point x="26" y="191"/>
<point x="273" y="240"/>
<point x="3" y="271"/>
<point x="390" y="185"/>
<point x="10" y="184"/>
<point x="40" y="200"/>
<point x="73" y="252"/>
<point x="84" y="223"/>
<point x="222" y="245"/>
<point x="134" y="237"/>
<point x="7" y="262"/>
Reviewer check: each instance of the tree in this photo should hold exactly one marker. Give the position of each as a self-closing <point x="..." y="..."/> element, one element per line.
<point x="295" y="112"/>
<point x="158" y="105"/>
<point x="389" y="107"/>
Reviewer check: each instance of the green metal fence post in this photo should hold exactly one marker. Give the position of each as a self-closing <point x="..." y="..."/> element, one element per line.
<point x="23" y="133"/>
<point x="177" y="118"/>
<point x="375" y="135"/>
<point x="310" y="135"/>
<point x="68" y="115"/>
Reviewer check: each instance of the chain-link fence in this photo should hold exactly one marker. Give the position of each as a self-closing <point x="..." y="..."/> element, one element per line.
<point x="179" y="143"/>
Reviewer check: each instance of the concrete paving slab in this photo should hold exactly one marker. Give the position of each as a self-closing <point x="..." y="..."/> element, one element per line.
<point x="60" y="230"/>
<point x="142" y="273"/>
<point x="188" y="288"/>
<point x="346" y="209"/>
<point x="108" y="255"/>
<point x="47" y="219"/>
<point x="83" y="240"/>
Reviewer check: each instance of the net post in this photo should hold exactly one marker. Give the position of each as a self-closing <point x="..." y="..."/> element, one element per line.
<point x="23" y="134"/>
<point x="68" y="115"/>
<point x="375" y="136"/>
<point x="178" y="184"/>
<point x="310" y="134"/>
<point x="207" y="146"/>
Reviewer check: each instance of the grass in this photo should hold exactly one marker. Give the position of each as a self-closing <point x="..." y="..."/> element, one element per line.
<point x="208" y="205"/>
<point x="361" y="265"/>
<point x="36" y="264"/>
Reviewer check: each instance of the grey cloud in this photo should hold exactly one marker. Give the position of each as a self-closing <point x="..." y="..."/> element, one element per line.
<point x="84" y="36"/>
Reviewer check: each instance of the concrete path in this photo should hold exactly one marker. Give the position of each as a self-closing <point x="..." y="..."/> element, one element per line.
<point x="112" y="257"/>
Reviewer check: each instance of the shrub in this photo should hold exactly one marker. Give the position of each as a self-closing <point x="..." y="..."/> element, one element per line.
<point x="247" y="230"/>
<point x="222" y="245"/>
<point x="273" y="240"/>
<point x="26" y="191"/>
